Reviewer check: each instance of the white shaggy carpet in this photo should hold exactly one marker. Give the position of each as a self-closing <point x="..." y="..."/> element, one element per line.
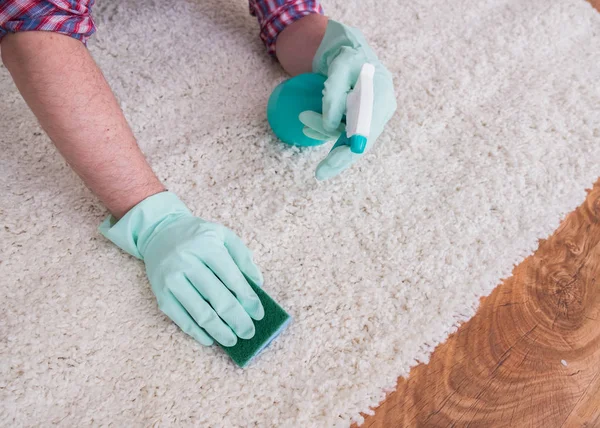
<point x="496" y="137"/>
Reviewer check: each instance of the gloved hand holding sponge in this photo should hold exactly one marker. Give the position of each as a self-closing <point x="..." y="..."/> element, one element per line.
<point x="199" y="271"/>
<point x="202" y="274"/>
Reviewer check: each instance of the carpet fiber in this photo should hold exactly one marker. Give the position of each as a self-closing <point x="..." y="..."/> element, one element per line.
<point x="496" y="137"/>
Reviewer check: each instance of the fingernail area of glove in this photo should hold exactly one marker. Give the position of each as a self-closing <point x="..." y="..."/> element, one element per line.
<point x="229" y="341"/>
<point x="256" y="309"/>
<point x="336" y="163"/>
<point x="204" y="341"/>
<point x="258" y="278"/>
<point x="339" y="158"/>
<point x="248" y="333"/>
<point x="254" y="275"/>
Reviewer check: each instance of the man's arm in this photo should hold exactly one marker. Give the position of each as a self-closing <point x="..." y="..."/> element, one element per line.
<point x="291" y="30"/>
<point x="66" y="91"/>
<point x="298" y="43"/>
<point x="202" y="284"/>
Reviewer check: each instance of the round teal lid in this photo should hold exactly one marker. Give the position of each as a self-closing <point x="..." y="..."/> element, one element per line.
<point x="288" y="100"/>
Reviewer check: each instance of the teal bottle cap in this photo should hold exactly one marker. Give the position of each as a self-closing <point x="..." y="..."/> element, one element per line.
<point x="288" y="100"/>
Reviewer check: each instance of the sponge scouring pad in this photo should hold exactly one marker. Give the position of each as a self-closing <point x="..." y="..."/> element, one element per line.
<point x="267" y="329"/>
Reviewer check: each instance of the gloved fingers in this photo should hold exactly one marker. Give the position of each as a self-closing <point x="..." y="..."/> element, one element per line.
<point x="384" y="106"/>
<point x="242" y="257"/>
<point x="312" y="119"/>
<point x="177" y="313"/>
<point x="384" y="103"/>
<point x="339" y="158"/>
<point x="202" y="313"/>
<point x="223" y="266"/>
<point x="211" y="282"/>
<point x="313" y="127"/>
<point x="342" y="75"/>
<point x="315" y="135"/>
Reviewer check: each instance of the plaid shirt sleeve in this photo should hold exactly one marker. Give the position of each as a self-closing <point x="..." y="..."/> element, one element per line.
<point x="274" y="15"/>
<point x="70" y="17"/>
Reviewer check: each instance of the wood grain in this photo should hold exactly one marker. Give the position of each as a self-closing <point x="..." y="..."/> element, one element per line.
<point x="531" y="354"/>
<point x="530" y="357"/>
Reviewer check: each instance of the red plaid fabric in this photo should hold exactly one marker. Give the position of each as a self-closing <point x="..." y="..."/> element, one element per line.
<point x="274" y="15"/>
<point x="71" y="17"/>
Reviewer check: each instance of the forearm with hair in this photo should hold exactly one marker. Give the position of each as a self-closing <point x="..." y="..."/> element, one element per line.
<point x="68" y="94"/>
<point x="298" y="42"/>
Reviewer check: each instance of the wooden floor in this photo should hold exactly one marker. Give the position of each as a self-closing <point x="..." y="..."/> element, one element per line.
<point x="531" y="355"/>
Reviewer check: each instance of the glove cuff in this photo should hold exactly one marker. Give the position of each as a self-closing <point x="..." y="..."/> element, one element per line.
<point x="133" y="231"/>
<point x="336" y="36"/>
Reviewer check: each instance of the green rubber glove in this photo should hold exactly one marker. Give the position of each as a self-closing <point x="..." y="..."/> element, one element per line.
<point x="198" y="270"/>
<point x="340" y="57"/>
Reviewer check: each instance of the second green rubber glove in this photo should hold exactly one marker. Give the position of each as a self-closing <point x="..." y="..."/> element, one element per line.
<point x="340" y="56"/>
<point x="199" y="271"/>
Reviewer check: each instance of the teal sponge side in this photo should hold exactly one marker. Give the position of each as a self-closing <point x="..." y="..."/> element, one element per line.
<point x="267" y="329"/>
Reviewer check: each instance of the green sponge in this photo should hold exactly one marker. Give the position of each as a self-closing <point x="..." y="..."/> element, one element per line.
<point x="267" y="329"/>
